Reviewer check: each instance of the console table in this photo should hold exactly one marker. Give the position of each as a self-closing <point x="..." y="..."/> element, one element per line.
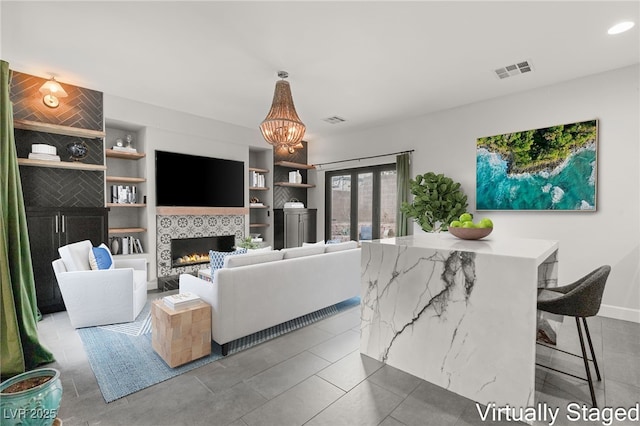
<point x="459" y="314"/>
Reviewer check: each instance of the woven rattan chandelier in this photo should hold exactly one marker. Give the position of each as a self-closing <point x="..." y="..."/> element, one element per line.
<point x="282" y="127"/>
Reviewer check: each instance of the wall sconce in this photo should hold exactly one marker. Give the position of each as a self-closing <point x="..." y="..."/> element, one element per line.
<point x="52" y="90"/>
<point x="292" y="149"/>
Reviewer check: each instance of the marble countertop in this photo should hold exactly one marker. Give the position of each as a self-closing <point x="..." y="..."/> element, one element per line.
<point x="510" y="247"/>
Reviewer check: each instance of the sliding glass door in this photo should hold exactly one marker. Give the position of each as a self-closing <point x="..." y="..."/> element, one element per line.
<point x="339" y="210"/>
<point x="364" y="212"/>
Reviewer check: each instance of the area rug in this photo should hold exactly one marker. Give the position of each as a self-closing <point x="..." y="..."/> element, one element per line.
<point x="141" y="325"/>
<point x="124" y="362"/>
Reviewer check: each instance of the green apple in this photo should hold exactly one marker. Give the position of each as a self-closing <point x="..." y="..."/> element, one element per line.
<point x="468" y="224"/>
<point x="456" y="224"/>
<point x="466" y="217"/>
<point x="485" y="223"/>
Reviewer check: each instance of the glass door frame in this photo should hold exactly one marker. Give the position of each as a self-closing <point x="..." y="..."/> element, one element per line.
<point x="353" y="213"/>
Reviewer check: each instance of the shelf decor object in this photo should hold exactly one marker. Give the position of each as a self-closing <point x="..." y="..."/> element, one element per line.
<point x="282" y="127"/>
<point x="77" y="150"/>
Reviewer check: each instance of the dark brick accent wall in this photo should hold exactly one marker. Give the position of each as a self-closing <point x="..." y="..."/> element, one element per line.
<point x="83" y="108"/>
<point x="43" y="187"/>
<point x="57" y="187"/>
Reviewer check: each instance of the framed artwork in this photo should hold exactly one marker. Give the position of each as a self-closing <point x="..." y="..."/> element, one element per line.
<point x="554" y="168"/>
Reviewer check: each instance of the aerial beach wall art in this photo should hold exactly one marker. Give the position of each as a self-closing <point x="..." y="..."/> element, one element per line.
<point x="554" y="168"/>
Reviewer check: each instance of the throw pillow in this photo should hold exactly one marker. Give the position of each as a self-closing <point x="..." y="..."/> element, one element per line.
<point x="319" y="243"/>
<point x="100" y="258"/>
<point x="76" y="256"/>
<point x="216" y="258"/>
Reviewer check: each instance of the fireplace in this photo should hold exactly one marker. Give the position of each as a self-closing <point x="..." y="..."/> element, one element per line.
<point x="193" y="251"/>
<point x="188" y="227"/>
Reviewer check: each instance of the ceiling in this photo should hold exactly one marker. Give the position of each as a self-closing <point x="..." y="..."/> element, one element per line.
<point x="371" y="63"/>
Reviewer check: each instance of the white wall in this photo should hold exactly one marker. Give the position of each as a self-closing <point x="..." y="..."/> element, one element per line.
<point x="444" y="142"/>
<point x="168" y="130"/>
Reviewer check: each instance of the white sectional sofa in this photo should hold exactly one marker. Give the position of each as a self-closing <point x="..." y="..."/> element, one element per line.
<point x="256" y="291"/>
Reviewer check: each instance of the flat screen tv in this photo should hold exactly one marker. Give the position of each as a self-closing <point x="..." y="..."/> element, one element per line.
<point x="193" y="181"/>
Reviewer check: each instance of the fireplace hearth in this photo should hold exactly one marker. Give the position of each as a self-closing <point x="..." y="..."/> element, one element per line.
<point x="193" y="251"/>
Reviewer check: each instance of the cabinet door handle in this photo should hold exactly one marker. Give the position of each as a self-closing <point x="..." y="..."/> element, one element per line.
<point x="57" y="225"/>
<point x="63" y="221"/>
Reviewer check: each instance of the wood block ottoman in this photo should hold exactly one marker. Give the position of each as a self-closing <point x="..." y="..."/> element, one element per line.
<point x="183" y="335"/>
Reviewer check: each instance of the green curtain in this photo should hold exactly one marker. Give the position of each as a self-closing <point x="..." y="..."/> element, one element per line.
<point x="403" y="175"/>
<point x="20" y="349"/>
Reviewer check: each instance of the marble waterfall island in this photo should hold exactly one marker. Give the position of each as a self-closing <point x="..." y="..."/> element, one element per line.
<point x="459" y="314"/>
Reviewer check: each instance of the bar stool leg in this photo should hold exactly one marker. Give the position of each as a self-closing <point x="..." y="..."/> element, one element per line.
<point x="593" y="354"/>
<point x="586" y="363"/>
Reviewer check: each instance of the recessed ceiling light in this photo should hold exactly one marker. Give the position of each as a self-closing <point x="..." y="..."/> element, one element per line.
<point x="620" y="28"/>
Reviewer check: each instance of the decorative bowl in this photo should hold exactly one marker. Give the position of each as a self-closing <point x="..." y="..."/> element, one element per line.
<point x="470" y="233"/>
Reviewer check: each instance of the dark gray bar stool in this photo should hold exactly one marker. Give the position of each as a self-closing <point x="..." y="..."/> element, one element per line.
<point x="580" y="299"/>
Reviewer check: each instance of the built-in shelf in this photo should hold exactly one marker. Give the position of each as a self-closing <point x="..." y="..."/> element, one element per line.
<point x="57" y="129"/>
<point x="257" y="170"/>
<point x="125" y="179"/>
<point x="258" y="188"/>
<point x="213" y="211"/>
<point x="126" y="230"/>
<point x="258" y="225"/>
<point x="126" y="205"/>
<point x="60" y="164"/>
<point x="295" y="185"/>
<point x="294" y="165"/>
<point x="124" y="155"/>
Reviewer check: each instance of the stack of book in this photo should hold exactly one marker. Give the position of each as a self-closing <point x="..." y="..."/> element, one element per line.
<point x="181" y="300"/>
<point x="124" y="194"/>
<point x="257" y="180"/>
<point x="125" y="245"/>
<point x="41" y="151"/>
<point x="124" y="149"/>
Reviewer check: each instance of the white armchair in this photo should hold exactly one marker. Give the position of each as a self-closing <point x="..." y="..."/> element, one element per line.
<point x="99" y="297"/>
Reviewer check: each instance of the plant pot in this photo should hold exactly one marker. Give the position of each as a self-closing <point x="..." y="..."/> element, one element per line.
<point x="33" y="406"/>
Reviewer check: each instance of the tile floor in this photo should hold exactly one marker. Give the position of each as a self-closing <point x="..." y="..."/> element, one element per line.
<point x="316" y="376"/>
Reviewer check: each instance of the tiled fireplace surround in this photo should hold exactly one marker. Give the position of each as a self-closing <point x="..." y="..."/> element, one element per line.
<point x="191" y="226"/>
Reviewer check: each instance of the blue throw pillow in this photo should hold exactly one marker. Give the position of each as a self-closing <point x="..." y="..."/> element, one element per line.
<point x="216" y="258"/>
<point x="100" y="258"/>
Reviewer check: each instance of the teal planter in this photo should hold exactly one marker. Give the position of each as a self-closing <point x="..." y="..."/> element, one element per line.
<point x="37" y="406"/>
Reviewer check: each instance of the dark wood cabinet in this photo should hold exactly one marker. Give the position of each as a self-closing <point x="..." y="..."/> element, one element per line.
<point x="292" y="227"/>
<point x="50" y="228"/>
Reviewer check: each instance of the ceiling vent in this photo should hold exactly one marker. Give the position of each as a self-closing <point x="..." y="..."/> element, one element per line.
<point x="334" y="120"/>
<point x="515" y="69"/>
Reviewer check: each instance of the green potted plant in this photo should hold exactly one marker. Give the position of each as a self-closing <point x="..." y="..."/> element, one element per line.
<point x="247" y="243"/>
<point x="437" y="200"/>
